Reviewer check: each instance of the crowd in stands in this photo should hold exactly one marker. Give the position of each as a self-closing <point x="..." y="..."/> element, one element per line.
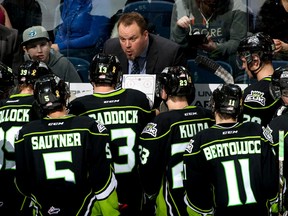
<point x="210" y="28"/>
<point x="116" y="151"/>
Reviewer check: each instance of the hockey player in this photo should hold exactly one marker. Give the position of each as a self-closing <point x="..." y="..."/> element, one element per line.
<point x="14" y="113"/>
<point x="230" y="168"/>
<point x="255" y="54"/>
<point x="164" y="140"/>
<point x="61" y="159"/>
<point x="124" y="112"/>
<point x="280" y="122"/>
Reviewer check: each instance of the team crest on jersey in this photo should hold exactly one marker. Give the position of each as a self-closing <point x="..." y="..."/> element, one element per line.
<point x="257" y="97"/>
<point x="268" y="133"/>
<point x="53" y="210"/>
<point x="150" y="129"/>
<point x="190" y="146"/>
<point x="100" y="126"/>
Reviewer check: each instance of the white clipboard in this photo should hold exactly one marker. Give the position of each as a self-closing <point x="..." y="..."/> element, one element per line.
<point x="142" y="82"/>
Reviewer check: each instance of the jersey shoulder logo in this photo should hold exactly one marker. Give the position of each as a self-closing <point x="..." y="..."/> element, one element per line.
<point x="267" y="132"/>
<point x="257" y="97"/>
<point x="100" y="126"/>
<point x="150" y="129"/>
<point x="52" y="210"/>
<point x="190" y="146"/>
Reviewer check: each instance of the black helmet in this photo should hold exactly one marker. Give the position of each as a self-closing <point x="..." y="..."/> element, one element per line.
<point x="51" y="92"/>
<point x="227" y="99"/>
<point x="274" y="86"/>
<point x="176" y="81"/>
<point x="30" y="71"/>
<point x="283" y="82"/>
<point x="6" y="77"/>
<point x="105" y="68"/>
<point x="259" y="43"/>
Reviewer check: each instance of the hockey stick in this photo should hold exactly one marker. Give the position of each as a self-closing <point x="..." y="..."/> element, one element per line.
<point x="214" y="67"/>
<point x="281" y="178"/>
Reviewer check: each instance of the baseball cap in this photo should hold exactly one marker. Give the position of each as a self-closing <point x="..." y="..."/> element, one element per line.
<point x="34" y="32"/>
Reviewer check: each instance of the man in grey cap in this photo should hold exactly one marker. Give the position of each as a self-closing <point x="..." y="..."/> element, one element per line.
<point x="37" y="46"/>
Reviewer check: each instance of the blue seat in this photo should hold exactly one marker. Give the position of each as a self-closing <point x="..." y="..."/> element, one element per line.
<point x="82" y="67"/>
<point x="157" y="13"/>
<point x="279" y="63"/>
<point x="201" y="74"/>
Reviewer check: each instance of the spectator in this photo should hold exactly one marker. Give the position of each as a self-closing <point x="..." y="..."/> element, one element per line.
<point x="255" y="53"/>
<point x="272" y="19"/>
<point x="125" y="113"/>
<point x="14" y="113"/>
<point x="152" y="53"/>
<point x="37" y="46"/>
<point x="23" y="14"/>
<point x="230" y="168"/>
<point x="4" y="17"/>
<point x="10" y="48"/>
<point x="83" y="180"/>
<point x="164" y="139"/>
<point x="116" y="16"/>
<point x="224" y="22"/>
<point x="82" y="33"/>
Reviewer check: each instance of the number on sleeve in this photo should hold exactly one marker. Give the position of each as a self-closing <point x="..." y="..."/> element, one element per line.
<point x="144" y="154"/>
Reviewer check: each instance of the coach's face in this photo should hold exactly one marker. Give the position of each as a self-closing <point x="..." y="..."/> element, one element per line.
<point x="132" y="41"/>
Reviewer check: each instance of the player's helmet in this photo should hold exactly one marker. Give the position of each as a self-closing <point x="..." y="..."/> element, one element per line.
<point x="176" y="81"/>
<point x="51" y="92"/>
<point x="227" y="99"/>
<point x="105" y="68"/>
<point x="283" y="83"/>
<point x="30" y="71"/>
<point x="259" y="43"/>
<point x="274" y="86"/>
<point x="6" y="77"/>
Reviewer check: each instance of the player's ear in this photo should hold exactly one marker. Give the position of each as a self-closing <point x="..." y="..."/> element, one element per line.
<point x="163" y="94"/>
<point x="256" y="60"/>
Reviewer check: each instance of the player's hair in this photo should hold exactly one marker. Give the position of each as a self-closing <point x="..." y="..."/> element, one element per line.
<point x="128" y="19"/>
<point x="227" y="100"/>
<point x="30" y="71"/>
<point x="259" y="43"/>
<point x="51" y="93"/>
<point x="176" y="81"/>
<point x="105" y="69"/>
